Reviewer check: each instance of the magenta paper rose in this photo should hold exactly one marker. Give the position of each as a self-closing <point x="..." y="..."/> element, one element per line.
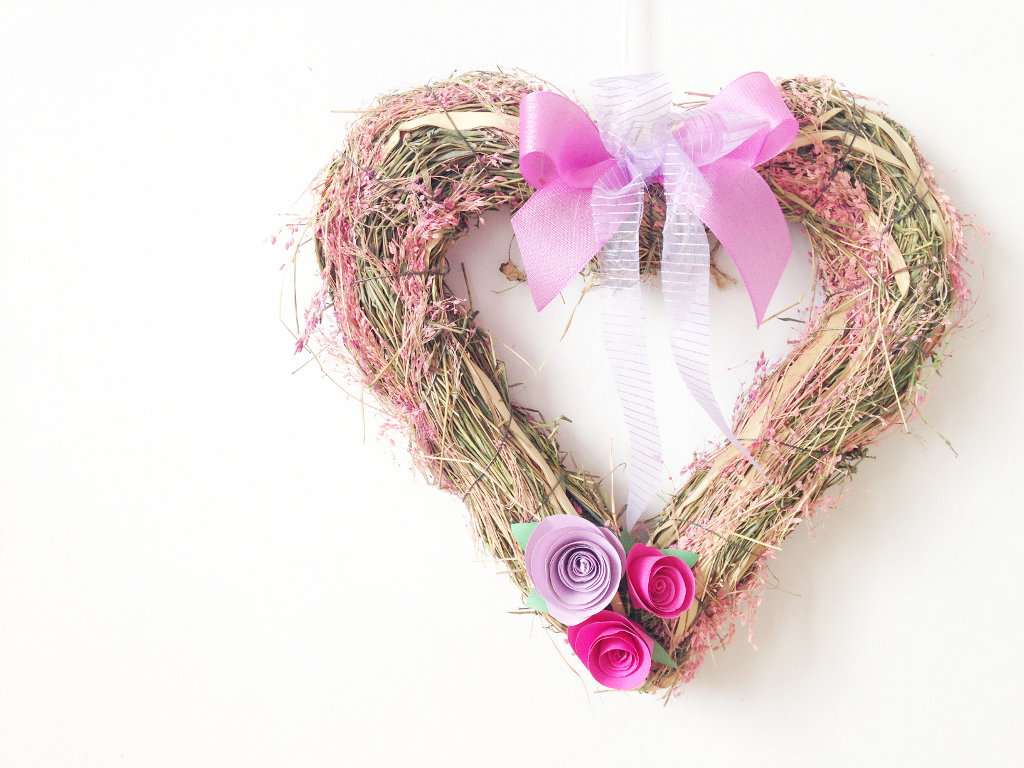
<point x="661" y="584"/>
<point x="574" y="565"/>
<point x="615" y="650"/>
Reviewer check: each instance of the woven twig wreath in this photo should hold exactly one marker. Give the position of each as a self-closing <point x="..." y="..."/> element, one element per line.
<point x="423" y="165"/>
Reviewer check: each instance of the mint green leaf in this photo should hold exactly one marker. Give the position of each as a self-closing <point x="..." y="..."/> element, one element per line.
<point x="535" y="601"/>
<point x="523" y="532"/>
<point x="661" y="656"/>
<point x="690" y="558"/>
<point x="626" y="539"/>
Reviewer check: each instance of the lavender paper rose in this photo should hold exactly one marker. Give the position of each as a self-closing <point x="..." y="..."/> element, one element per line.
<point x="575" y="566"/>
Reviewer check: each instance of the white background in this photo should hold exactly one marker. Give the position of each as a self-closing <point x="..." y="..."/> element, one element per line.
<point x="203" y="562"/>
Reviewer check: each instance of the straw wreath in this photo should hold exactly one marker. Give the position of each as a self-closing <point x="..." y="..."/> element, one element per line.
<point x="421" y="166"/>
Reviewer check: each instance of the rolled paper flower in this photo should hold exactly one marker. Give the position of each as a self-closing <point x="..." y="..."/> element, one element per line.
<point x="615" y="650"/>
<point x="574" y="565"/>
<point x="661" y="584"/>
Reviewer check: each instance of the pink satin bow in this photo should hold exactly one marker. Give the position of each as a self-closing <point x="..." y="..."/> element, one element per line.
<point x="563" y="156"/>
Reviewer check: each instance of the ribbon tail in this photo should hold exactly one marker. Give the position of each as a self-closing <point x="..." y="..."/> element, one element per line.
<point x="745" y="216"/>
<point x="555" y="232"/>
<point x="685" y="281"/>
<point x="618" y="202"/>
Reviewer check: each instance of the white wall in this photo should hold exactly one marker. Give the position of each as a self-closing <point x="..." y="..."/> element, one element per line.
<point x="203" y="562"/>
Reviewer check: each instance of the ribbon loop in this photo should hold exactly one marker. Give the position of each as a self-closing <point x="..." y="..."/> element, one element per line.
<point x="706" y="136"/>
<point x="633" y="115"/>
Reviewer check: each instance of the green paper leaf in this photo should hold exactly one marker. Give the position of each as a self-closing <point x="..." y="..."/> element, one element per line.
<point x="535" y="601"/>
<point x="690" y="558"/>
<point x="661" y="656"/>
<point x="626" y="539"/>
<point x="523" y="532"/>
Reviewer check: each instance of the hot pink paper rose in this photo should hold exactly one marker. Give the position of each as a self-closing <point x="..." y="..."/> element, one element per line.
<point x="661" y="584"/>
<point x="615" y="650"/>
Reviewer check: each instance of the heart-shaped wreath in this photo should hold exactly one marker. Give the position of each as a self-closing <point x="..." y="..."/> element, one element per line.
<point x="423" y="165"/>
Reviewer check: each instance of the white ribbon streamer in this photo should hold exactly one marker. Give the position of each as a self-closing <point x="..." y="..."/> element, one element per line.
<point x="635" y="119"/>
